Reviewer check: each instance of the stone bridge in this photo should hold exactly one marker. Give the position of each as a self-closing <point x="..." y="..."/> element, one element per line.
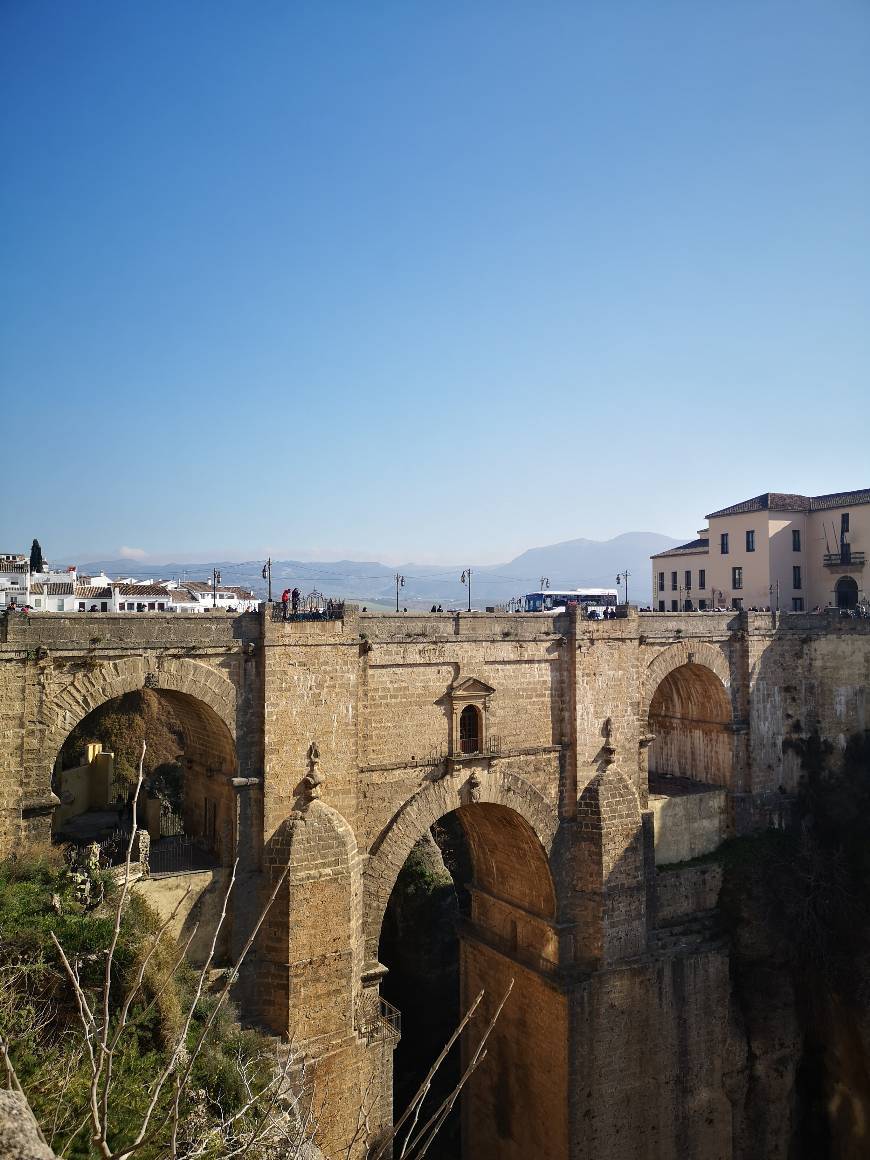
<point x="577" y="754"/>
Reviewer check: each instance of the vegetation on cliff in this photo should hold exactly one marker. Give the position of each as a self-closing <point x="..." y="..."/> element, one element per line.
<point x="42" y="1030"/>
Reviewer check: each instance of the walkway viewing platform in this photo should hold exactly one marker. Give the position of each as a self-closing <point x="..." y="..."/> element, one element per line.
<point x="102" y="630"/>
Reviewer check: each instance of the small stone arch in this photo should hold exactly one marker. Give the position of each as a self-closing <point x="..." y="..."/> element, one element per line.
<point x="432" y="802"/>
<point x="684" y="652"/>
<point x="204" y="703"/>
<point x="69" y="702"/>
<point x="689" y="717"/>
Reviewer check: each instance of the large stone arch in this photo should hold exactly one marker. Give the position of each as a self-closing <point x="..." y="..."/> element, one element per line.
<point x="432" y="802"/>
<point x="510" y="937"/>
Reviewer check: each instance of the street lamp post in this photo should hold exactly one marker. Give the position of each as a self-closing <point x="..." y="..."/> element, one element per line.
<point x="622" y="577"/>
<point x="774" y="588"/>
<point x="466" y="579"/>
<point x="267" y="576"/>
<point x="400" y="583"/>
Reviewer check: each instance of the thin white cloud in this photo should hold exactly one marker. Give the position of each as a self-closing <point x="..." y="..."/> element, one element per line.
<point x="132" y="553"/>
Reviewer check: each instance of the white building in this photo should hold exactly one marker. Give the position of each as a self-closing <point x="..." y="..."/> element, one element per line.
<point x="63" y="590"/>
<point x="14" y="573"/>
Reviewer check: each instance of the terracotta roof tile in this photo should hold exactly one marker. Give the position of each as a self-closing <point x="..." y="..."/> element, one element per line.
<point x="141" y="590"/>
<point x="774" y="501"/>
<point x="839" y="499"/>
<point x="778" y="501"/>
<point x="692" y="548"/>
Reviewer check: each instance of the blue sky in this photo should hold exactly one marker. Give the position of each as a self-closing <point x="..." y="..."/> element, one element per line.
<point x="426" y="281"/>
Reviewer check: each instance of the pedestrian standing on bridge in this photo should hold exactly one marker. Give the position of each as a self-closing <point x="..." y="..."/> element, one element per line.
<point x="285" y="603"/>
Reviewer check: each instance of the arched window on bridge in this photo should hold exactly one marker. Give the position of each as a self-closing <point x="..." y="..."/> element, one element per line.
<point x="469" y="732"/>
<point x="470" y="729"/>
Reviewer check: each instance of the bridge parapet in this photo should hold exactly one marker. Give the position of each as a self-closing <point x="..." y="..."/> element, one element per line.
<point x="491" y="626"/>
<point x="83" y="630"/>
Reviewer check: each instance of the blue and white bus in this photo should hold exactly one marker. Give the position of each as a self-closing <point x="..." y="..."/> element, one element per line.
<point x="593" y="600"/>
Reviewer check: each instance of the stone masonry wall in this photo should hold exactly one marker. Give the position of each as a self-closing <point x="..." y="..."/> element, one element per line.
<point x="616" y="1041"/>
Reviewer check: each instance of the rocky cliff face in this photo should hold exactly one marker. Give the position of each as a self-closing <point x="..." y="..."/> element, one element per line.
<point x="796" y="908"/>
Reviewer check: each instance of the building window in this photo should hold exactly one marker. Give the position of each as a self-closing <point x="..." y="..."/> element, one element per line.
<point x="673" y="581"/>
<point x="844" y="523"/>
<point x="737" y="578"/>
<point x="469" y="729"/>
<point x="675" y="606"/>
<point x="797" y="603"/>
<point x="795" y="540"/>
<point x="688" y="584"/>
<point x="661" y="606"/>
<point x="81" y="606"/>
<point x="723" y="543"/>
<point x="688" y="606"/>
<point x="796" y="576"/>
<point x="737" y="603"/>
<point x="702" y="578"/>
<point x="661" y="581"/>
<point x="702" y="605"/>
<point x="750" y="540"/>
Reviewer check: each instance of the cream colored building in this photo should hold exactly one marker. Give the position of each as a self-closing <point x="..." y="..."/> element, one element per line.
<point x="777" y="550"/>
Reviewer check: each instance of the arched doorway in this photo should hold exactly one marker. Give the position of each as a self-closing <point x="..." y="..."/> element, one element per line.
<point x="186" y="803"/>
<point x="847" y="592"/>
<point x="490" y="919"/>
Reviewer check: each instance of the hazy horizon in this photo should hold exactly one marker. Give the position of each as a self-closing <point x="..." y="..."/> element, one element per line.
<point x="139" y="562"/>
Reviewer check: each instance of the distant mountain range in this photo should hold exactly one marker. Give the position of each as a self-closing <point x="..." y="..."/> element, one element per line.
<point x="571" y="564"/>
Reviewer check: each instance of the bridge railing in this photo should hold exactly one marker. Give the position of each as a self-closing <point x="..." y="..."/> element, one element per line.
<point x="314" y="606"/>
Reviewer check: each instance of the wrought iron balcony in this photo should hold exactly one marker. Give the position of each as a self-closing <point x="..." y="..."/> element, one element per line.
<point x="844" y="559"/>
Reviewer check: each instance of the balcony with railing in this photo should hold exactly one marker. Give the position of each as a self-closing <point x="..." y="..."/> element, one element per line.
<point x="845" y="558"/>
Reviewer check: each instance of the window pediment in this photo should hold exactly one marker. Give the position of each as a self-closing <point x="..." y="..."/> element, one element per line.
<point x="471" y="688"/>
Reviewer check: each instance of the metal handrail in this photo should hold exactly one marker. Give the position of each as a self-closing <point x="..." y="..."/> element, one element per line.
<point x="314" y="606"/>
